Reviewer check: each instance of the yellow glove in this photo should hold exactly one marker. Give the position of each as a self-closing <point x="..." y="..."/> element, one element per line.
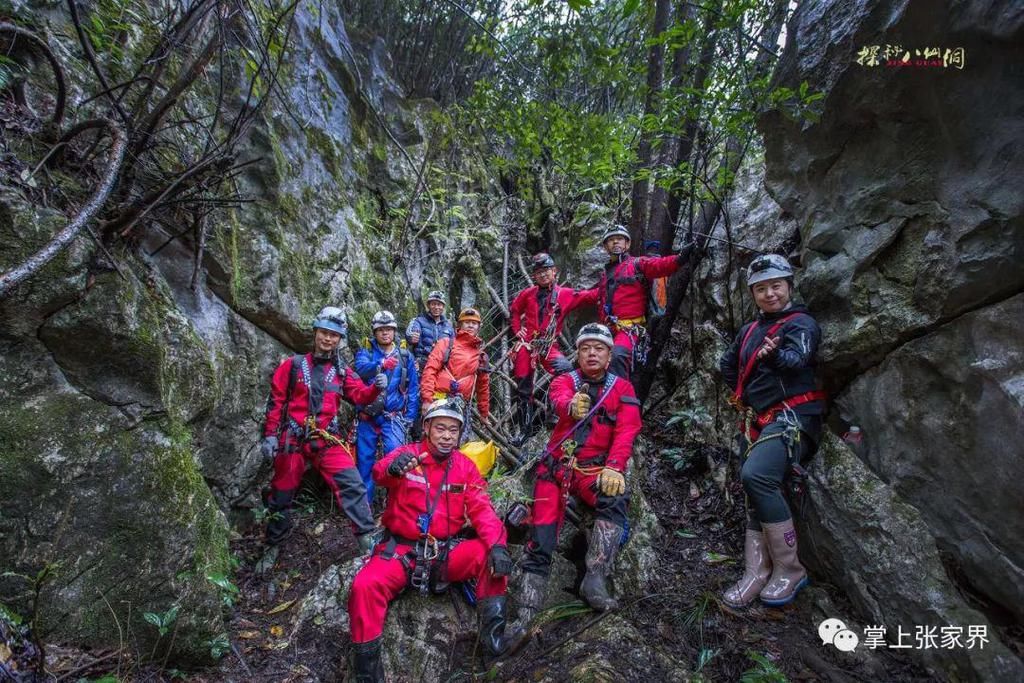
<point x="580" y="405"/>
<point x="611" y="482"/>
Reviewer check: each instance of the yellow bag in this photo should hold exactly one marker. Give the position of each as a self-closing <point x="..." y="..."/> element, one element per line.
<point x="483" y="454"/>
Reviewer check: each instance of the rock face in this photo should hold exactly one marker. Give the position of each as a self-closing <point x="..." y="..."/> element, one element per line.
<point x="102" y="491"/>
<point x="912" y="239"/>
<point x="127" y="396"/>
<point x="904" y="189"/>
<point x="943" y="419"/>
<point x="864" y="536"/>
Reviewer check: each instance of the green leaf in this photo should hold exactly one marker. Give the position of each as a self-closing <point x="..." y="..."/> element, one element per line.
<point x="578" y="5"/>
<point x="153" y="619"/>
<point x="716" y="558"/>
<point x="685" y="533"/>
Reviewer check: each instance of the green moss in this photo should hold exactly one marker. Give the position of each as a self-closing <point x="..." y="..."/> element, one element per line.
<point x="179" y="478"/>
<point x="319" y="142"/>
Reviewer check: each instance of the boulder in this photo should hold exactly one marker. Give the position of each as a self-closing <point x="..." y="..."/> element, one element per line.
<point x="419" y="631"/>
<point x="107" y="512"/>
<point x="903" y="186"/>
<point x="942" y="419"/>
<point x="861" y="534"/>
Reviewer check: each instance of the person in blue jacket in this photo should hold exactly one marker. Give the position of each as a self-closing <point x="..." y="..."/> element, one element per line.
<point x="429" y="328"/>
<point x="387" y="419"/>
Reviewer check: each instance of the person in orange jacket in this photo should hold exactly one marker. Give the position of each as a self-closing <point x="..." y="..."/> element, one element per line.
<point x="459" y="367"/>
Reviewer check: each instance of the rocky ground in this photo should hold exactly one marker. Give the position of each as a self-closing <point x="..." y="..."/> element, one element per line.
<point x="287" y="623"/>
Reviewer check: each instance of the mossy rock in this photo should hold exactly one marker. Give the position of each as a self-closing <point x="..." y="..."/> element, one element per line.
<point x="116" y="509"/>
<point x="125" y="342"/>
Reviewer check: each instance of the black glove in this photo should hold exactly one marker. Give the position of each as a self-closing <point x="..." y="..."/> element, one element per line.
<point x="381" y="381"/>
<point x="684" y="253"/>
<point x="268" y="447"/>
<point x="499" y="561"/>
<point x="400" y="464"/>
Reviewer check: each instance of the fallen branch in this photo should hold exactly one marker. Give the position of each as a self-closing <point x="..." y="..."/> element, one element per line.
<point x="498" y="302"/>
<point x="85" y="667"/>
<point x="11" y="279"/>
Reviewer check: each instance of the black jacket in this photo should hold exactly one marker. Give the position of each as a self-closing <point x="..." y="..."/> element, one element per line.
<point x="789" y="371"/>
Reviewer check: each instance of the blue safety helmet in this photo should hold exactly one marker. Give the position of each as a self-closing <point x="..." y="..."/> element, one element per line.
<point x="332" y="318"/>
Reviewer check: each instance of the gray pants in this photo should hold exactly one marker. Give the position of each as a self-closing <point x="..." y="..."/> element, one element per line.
<point x="767" y="466"/>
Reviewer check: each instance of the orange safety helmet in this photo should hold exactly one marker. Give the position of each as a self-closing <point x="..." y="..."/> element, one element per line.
<point x="470" y="314"/>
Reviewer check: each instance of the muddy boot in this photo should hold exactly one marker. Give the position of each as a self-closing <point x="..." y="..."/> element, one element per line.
<point x="604" y="544"/>
<point x="279" y="524"/>
<point x="788" y="575"/>
<point x="367" y="666"/>
<point x="757" y="568"/>
<point x="491" y="612"/>
<point x="531" y="597"/>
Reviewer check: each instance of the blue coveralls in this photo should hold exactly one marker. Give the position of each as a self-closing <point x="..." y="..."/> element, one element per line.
<point x="401" y="408"/>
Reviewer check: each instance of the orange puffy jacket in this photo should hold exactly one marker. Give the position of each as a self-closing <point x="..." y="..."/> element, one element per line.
<point x="467" y="365"/>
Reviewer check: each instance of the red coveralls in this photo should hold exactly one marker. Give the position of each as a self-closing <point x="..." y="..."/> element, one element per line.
<point x="622" y="301"/>
<point x="463" y="498"/>
<point x="607" y="441"/>
<point x="316" y="390"/>
<point x="531" y="312"/>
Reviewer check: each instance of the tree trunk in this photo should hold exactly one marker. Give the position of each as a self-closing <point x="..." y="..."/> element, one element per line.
<point x="666" y="228"/>
<point x="655" y="69"/>
<point x="708" y="217"/>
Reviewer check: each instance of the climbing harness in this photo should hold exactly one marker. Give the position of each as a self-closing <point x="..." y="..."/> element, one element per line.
<point x="427" y="546"/>
<point x="561" y="471"/>
<point x="796" y="479"/>
<point x="637" y="333"/>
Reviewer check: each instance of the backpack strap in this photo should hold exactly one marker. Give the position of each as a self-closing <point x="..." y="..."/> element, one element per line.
<point x="748" y="368"/>
<point x="448" y="354"/>
<point x="403" y="360"/>
<point x="293" y="376"/>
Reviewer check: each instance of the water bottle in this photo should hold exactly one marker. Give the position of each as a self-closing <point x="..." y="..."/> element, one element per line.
<point x="855" y="438"/>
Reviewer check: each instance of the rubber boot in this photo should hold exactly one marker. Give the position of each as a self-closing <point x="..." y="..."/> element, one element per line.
<point x="757" y="567"/>
<point x="788" y="575"/>
<point x="366" y="663"/>
<point x="604" y="544"/>
<point x="279" y="525"/>
<point x="531" y="598"/>
<point x="491" y="612"/>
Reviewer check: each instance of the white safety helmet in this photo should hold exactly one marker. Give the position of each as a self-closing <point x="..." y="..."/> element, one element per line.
<point x="615" y="231"/>
<point x="436" y="295"/>
<point x="595" y="332"/>
<point x="445" y="407"/>
<point x="383" y="319"/>
<point x="768" y="267"/>
<point x="331" y="318"/>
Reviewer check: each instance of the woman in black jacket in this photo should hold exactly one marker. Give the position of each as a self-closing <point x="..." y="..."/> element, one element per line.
<point x="770" y="368"/>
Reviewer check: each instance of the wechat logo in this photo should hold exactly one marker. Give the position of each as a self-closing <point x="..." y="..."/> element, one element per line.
<point x="834" y="632"/>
